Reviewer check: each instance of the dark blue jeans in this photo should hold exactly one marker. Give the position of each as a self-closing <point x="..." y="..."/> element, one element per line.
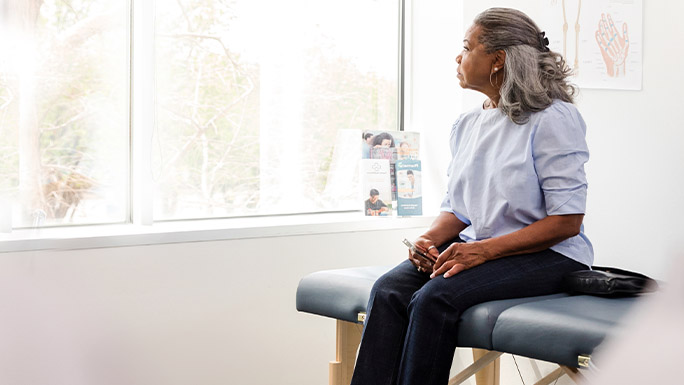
<point x="409" y="337"/>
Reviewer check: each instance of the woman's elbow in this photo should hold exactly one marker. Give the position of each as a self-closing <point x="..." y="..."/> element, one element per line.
<point x="572" y="224"/>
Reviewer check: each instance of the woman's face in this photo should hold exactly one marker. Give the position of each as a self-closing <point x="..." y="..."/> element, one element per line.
<point x="386" y="142"/>
<point x="474" y="64"/>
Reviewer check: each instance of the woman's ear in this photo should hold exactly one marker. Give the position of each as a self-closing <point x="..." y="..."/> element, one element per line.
<point x="499" y="59"/>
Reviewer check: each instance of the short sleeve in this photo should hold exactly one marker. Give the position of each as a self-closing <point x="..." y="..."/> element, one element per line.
<point x="559" y="150"/>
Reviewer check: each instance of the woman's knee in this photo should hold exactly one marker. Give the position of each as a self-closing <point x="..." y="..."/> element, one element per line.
<point x="423" y="302"/>
<point x="437" y="296"/>
<point x="382" y="286"/>
<point x="386" y="286"/>
<point x="394" y="287"/>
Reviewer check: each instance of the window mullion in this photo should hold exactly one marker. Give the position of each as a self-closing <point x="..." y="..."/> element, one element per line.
<point x="143" y="111"/>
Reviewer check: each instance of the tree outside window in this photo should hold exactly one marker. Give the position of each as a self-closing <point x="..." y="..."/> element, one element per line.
<point x="64" y="111"/>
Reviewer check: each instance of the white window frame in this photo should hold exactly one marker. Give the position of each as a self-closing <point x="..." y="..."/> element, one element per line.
<point x="141" y="203"/>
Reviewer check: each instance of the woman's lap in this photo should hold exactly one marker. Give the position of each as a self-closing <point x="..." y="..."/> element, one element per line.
<point x="511" y="277"/>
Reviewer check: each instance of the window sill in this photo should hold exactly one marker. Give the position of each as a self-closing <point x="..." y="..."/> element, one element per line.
<point x="121" y="235"/>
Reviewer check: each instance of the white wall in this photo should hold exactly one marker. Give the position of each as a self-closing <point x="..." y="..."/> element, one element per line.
<point x="636" y="173"/>
<point x="194" y="313"/>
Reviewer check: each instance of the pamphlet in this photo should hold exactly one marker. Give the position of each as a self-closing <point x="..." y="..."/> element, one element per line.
<point x="376" y="187"/>
<point x="409" y="192"/>
<point x="390" y="145"/>
<point x="403" y="144"/>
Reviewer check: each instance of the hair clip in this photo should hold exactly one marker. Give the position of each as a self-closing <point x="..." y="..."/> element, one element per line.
<point x="544" y="41"/>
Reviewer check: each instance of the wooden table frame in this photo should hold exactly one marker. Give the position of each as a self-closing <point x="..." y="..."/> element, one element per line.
<point x="486" y="366"/>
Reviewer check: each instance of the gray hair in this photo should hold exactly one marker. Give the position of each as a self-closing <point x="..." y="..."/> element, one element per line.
<point x="534" y="75"/>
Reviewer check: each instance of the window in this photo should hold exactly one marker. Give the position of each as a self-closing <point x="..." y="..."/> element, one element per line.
<point x="64" y="102"/>
<point x="252" y="98"/>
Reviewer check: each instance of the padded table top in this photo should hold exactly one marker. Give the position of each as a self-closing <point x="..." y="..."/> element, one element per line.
<point x="343" y="293"/>
<point x="340" y="293"/>
<point x="555" y="328"/>
<point x="558" y="330"/>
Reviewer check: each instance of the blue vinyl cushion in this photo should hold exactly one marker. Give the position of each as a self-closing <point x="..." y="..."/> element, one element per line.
<point x="558" y="330"/>
<point x="340" y="294"/>
<point x="343" y="293"/>
<point x="477" y="323"/>
<point x="555" y="328"/>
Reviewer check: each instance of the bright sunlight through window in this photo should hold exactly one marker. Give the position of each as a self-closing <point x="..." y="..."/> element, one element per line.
<point x="254" y="101"/>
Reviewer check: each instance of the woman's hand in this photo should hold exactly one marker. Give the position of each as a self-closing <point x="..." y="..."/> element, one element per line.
<point x="445" y="227"/>
<point x="459" y="257"/>
<point x="428" y="248"/>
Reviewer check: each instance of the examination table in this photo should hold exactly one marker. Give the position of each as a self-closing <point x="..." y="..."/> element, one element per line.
<point x="561" y="328"/>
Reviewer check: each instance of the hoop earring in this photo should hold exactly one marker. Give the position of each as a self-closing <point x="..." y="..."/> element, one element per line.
<point x="496" y="77"/>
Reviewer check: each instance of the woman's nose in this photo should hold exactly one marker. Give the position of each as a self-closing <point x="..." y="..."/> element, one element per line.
<point x="458" y="59"/>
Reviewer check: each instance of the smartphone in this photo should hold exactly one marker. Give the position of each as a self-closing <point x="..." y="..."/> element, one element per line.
<point x="418" y="252"/>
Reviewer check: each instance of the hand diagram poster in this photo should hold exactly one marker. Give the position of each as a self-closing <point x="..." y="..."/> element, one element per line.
<point x="601" y="40"/>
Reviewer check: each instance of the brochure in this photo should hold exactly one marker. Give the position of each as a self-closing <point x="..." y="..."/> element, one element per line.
<point x="402" y="144"/>
<point x="376" y="187"/>
<point x="390" y="145"/>
<point x="409" y="193"/>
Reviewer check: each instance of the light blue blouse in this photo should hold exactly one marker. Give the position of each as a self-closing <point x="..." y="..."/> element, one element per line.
<point x="504" y="176"/>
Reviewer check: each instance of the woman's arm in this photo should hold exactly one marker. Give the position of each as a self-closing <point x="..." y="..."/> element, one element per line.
<point x="538" y="236"/>
<point x="444" y="228"/>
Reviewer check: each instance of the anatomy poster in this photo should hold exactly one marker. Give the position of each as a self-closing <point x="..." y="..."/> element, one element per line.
<point x="600" y="39"/>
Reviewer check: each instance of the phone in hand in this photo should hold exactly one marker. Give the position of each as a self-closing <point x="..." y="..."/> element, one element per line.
<point x="418" y="252"/>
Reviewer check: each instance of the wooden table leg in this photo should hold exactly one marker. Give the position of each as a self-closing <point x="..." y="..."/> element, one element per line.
<point x="348" y="340"/>
<point x="574" y="373"/>
<point x="489" y="375"/>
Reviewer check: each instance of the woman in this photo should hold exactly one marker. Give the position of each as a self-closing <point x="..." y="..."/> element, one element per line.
<point x="382" y="140"/>
<point x="511" y="222"/>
